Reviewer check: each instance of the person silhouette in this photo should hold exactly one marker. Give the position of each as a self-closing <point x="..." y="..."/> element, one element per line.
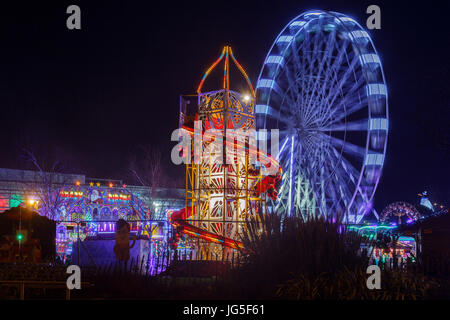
<point x="122" y="246"/>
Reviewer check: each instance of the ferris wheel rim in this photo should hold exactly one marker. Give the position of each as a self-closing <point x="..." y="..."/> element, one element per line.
<point x="368" y="132"/>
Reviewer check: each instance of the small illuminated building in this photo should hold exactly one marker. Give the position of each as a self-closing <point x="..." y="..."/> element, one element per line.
<point x="432" y="234"/>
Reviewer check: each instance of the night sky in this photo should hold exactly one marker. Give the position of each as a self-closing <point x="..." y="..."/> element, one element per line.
<point x="100" y="92"/>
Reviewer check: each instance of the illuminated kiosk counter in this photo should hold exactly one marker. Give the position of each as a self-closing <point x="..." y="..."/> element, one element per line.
<point x="100" y="252"/>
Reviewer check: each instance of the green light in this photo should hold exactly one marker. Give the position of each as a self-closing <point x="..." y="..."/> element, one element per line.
<point x="16" y="200"/>
<point x="19" y="237"/>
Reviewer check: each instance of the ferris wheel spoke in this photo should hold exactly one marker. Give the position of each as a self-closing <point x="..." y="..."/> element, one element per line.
<point x="346" y="170"/>
<point x="343" y="80"/>
<point x="283" y="146"/>
<point x="350" y="95"/>
<point x="321" y="65"/>
<point x="342" y="179"/>
<point x="291" y="86"/>
<point x="312" y="54"/>
<point x="337" y="196"/>
<point x="310" y="63"/>
<point x="347" y="166"/>
<point x="333" y="68"/>
<point x="321" y="106"/>
<point x="352" y="173"/>
<point x="323" y="97"/>
<point x="355" y="85"/>
<point x="333" y="95"/>
<point x="283" y="118"/>
<point x="289" y="100"/>
<point x="321" y="114"/>
<point x="297" y="62"/>
<point x="331" y="76"/>
<point x="301" y="71"/>
<point x="355" y="103"/>
<point x="347" y="147"/>
<point x="336" y="172"/>
<point x="288" y="110"/>
<point x="310" y="76"/>
<point x="359" y="125"/>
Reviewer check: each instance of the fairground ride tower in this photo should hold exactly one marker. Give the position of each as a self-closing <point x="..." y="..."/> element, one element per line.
<point x="221" y="186"/>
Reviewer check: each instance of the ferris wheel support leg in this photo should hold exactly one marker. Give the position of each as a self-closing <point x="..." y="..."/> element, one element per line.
<point x="376" y="213"/>
<point x="291" y="207"/>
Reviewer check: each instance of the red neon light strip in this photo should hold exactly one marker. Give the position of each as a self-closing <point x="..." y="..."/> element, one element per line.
<point x="177" y="220"/>
<point x="243" y="73"/>
<point x="209" y="70"/>
<point x="259" y="154"/>
<point x="226" y="76"/>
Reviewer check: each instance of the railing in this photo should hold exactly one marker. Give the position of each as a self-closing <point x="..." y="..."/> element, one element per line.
<point x="22" y="284"/>
<point x="170" y="263"/>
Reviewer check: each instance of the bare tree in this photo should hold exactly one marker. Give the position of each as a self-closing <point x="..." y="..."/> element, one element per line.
<point x="48" y="182"/>
<point x="146" y="167"/>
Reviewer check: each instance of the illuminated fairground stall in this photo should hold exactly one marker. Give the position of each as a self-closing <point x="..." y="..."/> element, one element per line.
<point x="87" y="210"/>
<point x="89" y="214"/>
<point x="403" y="223"/>
<point x="383" y="238"/>
<point x="378" y="241"/>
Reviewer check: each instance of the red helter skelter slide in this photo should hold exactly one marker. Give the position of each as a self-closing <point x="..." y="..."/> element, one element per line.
<point x="225" y="120"/>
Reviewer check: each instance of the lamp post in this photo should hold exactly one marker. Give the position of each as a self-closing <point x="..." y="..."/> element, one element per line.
<point x="20" y="236"/>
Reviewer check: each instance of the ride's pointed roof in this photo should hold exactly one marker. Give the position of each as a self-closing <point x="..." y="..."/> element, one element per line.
<point x="227" y="52"/>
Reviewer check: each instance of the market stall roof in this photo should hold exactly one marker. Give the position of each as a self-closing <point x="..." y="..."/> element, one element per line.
<point x="11" y="218"/>
<point x="438" y="221"/>
<point x="37" y="226"/>
<point x="20" y="213"/>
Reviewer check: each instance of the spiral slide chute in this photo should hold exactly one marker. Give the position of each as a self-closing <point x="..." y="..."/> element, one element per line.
<point x="225" y="191"/>
<point x="265" y="159"/>
<point x="179" y="222"/>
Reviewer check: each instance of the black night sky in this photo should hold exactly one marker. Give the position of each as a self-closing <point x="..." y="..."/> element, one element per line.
<point x="99" y="92"/>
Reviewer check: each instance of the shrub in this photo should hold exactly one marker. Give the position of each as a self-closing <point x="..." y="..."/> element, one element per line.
<point x="351" y="285"/>
<point x="315" y="258"/>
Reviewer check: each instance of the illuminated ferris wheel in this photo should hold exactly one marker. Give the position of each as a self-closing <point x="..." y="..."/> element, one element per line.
<point x="322" y="85"/>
